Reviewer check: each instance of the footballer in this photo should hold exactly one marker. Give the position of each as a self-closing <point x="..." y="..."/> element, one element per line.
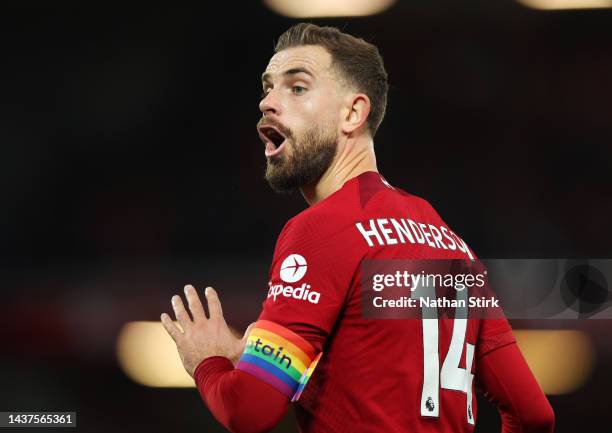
<point x="324" y="96"/>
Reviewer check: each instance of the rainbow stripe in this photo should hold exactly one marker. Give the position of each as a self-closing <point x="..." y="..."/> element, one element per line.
<point x="277" y="356"/>
<point x="306" y="376"/>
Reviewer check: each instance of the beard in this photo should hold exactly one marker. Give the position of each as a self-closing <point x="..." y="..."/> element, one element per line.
<point x="310" y="157"/>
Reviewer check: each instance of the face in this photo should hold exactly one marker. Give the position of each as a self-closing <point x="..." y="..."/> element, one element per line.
<point x="300" y="108"/>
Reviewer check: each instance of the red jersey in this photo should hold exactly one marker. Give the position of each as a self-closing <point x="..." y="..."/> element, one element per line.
<point x="374" y="375"/>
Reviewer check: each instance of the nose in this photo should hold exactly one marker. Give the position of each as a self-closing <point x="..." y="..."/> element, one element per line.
<point x="270" y="104"/>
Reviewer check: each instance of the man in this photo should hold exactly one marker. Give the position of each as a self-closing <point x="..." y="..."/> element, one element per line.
<point x="324" y="96"/>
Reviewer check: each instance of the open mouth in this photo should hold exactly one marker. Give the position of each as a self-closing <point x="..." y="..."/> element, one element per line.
<point x="273" y="139"/>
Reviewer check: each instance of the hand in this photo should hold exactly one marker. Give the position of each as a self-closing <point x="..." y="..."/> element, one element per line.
<point x="202" y="337"/>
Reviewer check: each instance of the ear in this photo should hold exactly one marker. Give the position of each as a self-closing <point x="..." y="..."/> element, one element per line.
<point x="356" y="112"/>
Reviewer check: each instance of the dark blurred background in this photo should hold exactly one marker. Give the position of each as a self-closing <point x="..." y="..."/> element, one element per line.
<point x="131" y="166"/>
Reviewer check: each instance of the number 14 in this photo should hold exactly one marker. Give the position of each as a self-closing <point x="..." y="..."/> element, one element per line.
<point x="451" y="376"/>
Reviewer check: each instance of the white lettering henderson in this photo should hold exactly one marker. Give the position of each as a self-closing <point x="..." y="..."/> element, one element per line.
<point x="391" y="231"/>
<point x="302" y="292"/>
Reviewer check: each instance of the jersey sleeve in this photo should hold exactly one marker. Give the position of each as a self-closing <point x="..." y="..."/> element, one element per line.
<point x="506" y="380"/>
<point x="309" y="280"/>
<point x="240" y="402"/>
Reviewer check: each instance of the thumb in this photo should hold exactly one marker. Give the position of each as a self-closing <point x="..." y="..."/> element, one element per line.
<point x="241" y="344"/>
<point x="248" y="332"/>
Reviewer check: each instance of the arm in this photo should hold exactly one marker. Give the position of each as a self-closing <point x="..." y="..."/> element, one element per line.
<point x="271" y="358"/>
<point x="208" y="350"/>
<point x="252" y="397"/>
<point x="507" y="381"/>
<point x="240" y="402"/>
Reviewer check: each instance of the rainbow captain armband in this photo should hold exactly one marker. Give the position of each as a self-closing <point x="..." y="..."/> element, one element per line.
<point x="279" y="357"/>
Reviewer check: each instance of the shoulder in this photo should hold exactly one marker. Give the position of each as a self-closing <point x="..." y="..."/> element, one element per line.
<point x="326" y="229"/>
<point x="418" y="206"/>
<point x="331" y="218"/>
<point x="317" y="227"/>
<point x="376" y="195"/>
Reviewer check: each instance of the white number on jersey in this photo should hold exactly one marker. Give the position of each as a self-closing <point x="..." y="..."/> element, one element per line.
<point x="451" y="376"/>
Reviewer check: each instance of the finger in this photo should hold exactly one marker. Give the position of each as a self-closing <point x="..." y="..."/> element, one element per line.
<point x="195" y="305"/>
<point x="214" y="305"/>
<point x="179" y="311"/>
<point x="170" y="327"/>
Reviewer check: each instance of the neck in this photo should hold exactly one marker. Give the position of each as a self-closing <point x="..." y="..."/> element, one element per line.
<point x="355" y="156"/>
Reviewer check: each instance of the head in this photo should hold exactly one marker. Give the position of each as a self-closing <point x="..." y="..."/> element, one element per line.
<point x="320" y="88"/>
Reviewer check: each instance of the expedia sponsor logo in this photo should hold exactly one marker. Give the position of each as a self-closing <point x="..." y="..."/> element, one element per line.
<point x="302" y="292"/>
<point x="293" y="268"/>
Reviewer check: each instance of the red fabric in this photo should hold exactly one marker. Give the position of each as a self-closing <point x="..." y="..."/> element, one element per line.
<point x="239" y="401"/>
<point x="506" y="380"/>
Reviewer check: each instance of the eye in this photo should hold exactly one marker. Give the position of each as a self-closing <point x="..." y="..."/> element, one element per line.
<point x="265" y="92"/>
<point x="298" y="90"/>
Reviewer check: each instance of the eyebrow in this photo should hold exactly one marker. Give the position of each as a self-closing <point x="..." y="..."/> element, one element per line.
<point x="293" y="71"/>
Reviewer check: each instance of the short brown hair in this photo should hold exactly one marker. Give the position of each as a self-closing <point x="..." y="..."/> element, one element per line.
<point x="358" y="61"/>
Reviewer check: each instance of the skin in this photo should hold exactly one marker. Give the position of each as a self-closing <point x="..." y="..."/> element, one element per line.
<point x="296" y="101"/>
<point x="326" y="99"/>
